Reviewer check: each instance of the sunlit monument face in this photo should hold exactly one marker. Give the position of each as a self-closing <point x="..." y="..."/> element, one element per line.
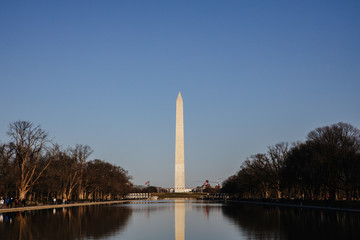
<point x="179" y="147"/>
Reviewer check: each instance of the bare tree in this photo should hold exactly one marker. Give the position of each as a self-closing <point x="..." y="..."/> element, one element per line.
<point x="7" y="181"/>
<point x="29" y="144"/>
<point x="104" y="180"/>
<point x="63" y="174"/>
<point x="336" y="148"/>
<point x="277" y="155"/>
<point x="81" y="153"/>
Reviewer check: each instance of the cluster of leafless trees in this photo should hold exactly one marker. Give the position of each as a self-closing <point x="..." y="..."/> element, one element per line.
<point x="33" y="168"/>
<point x="325" y="166"/>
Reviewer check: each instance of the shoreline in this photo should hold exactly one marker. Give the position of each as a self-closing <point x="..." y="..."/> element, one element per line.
<point x="41" y="207"/>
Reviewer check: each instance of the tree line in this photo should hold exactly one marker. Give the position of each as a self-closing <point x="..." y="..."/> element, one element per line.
<point x="33" y="168"/>
<point x="324" y="166"/>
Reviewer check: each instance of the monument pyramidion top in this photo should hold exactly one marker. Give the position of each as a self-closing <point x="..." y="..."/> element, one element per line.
<point x="179" y="98"/>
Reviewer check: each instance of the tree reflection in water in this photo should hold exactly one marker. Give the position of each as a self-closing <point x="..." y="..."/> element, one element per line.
<point x="270" y="222"/>
<point x="67" y="223"/>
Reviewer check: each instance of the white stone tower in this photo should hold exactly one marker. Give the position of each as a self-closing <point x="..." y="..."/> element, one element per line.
<point x="179" y="147"/>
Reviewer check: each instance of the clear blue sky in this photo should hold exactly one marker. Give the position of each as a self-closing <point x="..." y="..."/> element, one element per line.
<point x="107" y="74"/>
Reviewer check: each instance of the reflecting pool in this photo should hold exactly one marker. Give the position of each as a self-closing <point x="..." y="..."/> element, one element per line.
<point x="180" y="219"/>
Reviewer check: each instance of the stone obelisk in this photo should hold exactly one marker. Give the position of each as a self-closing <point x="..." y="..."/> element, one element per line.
<point x="179" y="147"/>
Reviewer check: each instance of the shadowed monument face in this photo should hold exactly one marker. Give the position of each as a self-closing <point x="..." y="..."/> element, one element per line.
<point x="179" y="147"/>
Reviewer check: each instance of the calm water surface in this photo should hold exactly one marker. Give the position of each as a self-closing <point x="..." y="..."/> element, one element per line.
<point x="180" y="220"/>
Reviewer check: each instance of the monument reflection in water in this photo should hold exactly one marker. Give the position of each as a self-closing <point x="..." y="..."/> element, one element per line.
<point x="179" y="209"/>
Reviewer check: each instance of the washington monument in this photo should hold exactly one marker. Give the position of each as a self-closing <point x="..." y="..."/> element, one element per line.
<point x="179" y="147"/>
